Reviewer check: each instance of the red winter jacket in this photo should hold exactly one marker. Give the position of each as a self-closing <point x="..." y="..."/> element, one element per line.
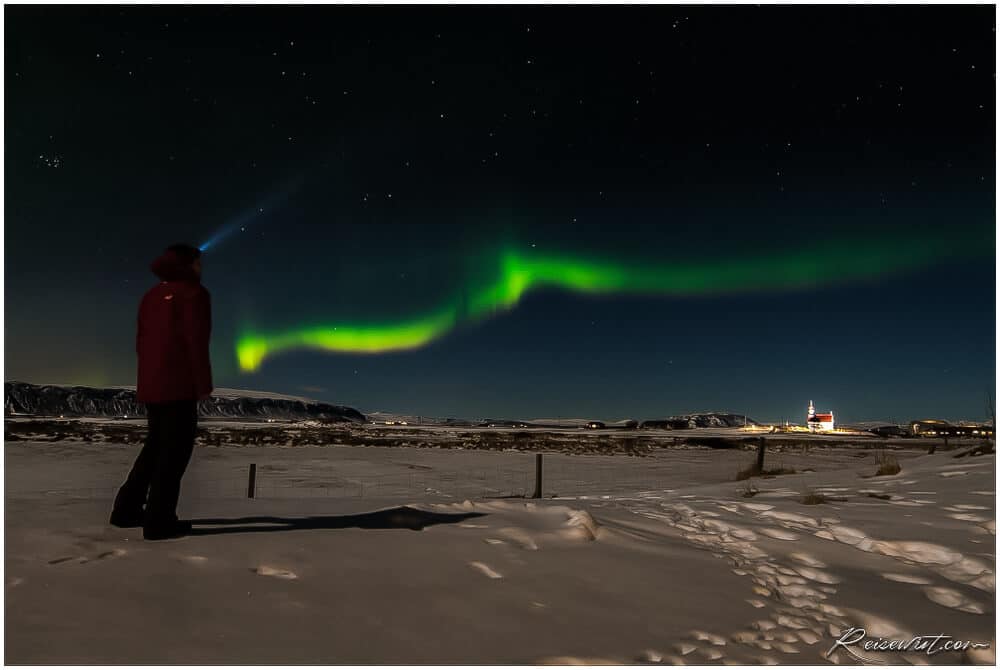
<point x="175" y="322"/>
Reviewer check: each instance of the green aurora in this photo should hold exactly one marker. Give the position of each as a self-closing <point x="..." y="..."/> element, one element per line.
<point x="518" y="271"/>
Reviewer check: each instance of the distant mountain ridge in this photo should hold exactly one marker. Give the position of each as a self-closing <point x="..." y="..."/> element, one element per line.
<point x="25" y="399"/>
<point x="700" y="420"/>
<point x="86" y="401"/>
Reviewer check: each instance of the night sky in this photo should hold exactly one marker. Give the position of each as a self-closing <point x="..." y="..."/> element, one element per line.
<point x="597" y="212"/>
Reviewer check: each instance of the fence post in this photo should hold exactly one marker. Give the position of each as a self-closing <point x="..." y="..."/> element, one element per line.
<point x="252" y="483"/>
<point x="760" y="455"/>
<point x="538" y="477"/>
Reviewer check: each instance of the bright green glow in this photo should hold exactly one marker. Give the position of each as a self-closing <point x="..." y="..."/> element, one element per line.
<point x="251" y="349"/>
<point x="519" y="271"/>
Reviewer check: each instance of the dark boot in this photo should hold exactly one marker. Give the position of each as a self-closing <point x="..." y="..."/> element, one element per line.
<point x="126" y="519"/>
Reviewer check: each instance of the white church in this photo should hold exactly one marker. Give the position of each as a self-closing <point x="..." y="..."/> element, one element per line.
<point x="818" y="422"/>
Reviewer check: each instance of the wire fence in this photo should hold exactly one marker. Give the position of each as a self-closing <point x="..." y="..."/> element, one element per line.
<point x="468" y="474"/>
<point x="516" y="477"/>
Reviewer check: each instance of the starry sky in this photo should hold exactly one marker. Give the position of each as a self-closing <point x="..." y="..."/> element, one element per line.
<point x="596" y="212"/>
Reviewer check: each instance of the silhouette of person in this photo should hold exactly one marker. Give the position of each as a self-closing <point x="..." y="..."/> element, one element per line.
<point x="174" y="373"/>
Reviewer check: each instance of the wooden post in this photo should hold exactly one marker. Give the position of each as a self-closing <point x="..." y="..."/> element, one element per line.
<point x="538" y="477"/>
<point x="760" y="455"/>
<point x="252" y="484"/>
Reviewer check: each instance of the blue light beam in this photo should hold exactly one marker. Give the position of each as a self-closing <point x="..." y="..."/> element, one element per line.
<point x="248" y="216"/>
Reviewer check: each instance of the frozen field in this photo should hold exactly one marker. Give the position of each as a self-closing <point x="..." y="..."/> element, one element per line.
<point x="662" y="558"/>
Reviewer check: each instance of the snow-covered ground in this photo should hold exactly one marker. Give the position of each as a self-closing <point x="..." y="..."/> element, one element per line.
<point x="659" y="559"/>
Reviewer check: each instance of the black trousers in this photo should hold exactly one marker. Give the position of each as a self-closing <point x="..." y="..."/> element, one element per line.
<point x="158" y="470"/>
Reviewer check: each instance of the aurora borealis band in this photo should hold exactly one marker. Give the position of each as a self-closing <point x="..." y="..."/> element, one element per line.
<point x="518" y="271"/>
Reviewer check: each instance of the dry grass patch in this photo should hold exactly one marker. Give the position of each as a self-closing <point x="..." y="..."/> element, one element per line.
<point x="752" y="471"/>
<point x="816" y="498"/>
<point x="886" y="464"/>
<point x="813" y="498"/>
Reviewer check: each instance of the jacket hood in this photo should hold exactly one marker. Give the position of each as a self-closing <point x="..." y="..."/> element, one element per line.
<point x="171" y="267"/>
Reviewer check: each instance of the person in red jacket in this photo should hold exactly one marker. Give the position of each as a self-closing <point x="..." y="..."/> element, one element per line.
<point x="174" y="373"/>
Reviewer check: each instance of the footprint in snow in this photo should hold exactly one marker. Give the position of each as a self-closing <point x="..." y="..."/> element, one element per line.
<point x="905" y="579"/>
<point x="80" y="560"/>
<point x="953" y="599"/>
<point x="702" y="636"/>
<point x="486" y="570"/>
<point x="779" y="534"/>
<point x="195" y="560"/>
<point x="683" y="648"/>
<point x="268" y="571"/>
<point x="807" y="559"/>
